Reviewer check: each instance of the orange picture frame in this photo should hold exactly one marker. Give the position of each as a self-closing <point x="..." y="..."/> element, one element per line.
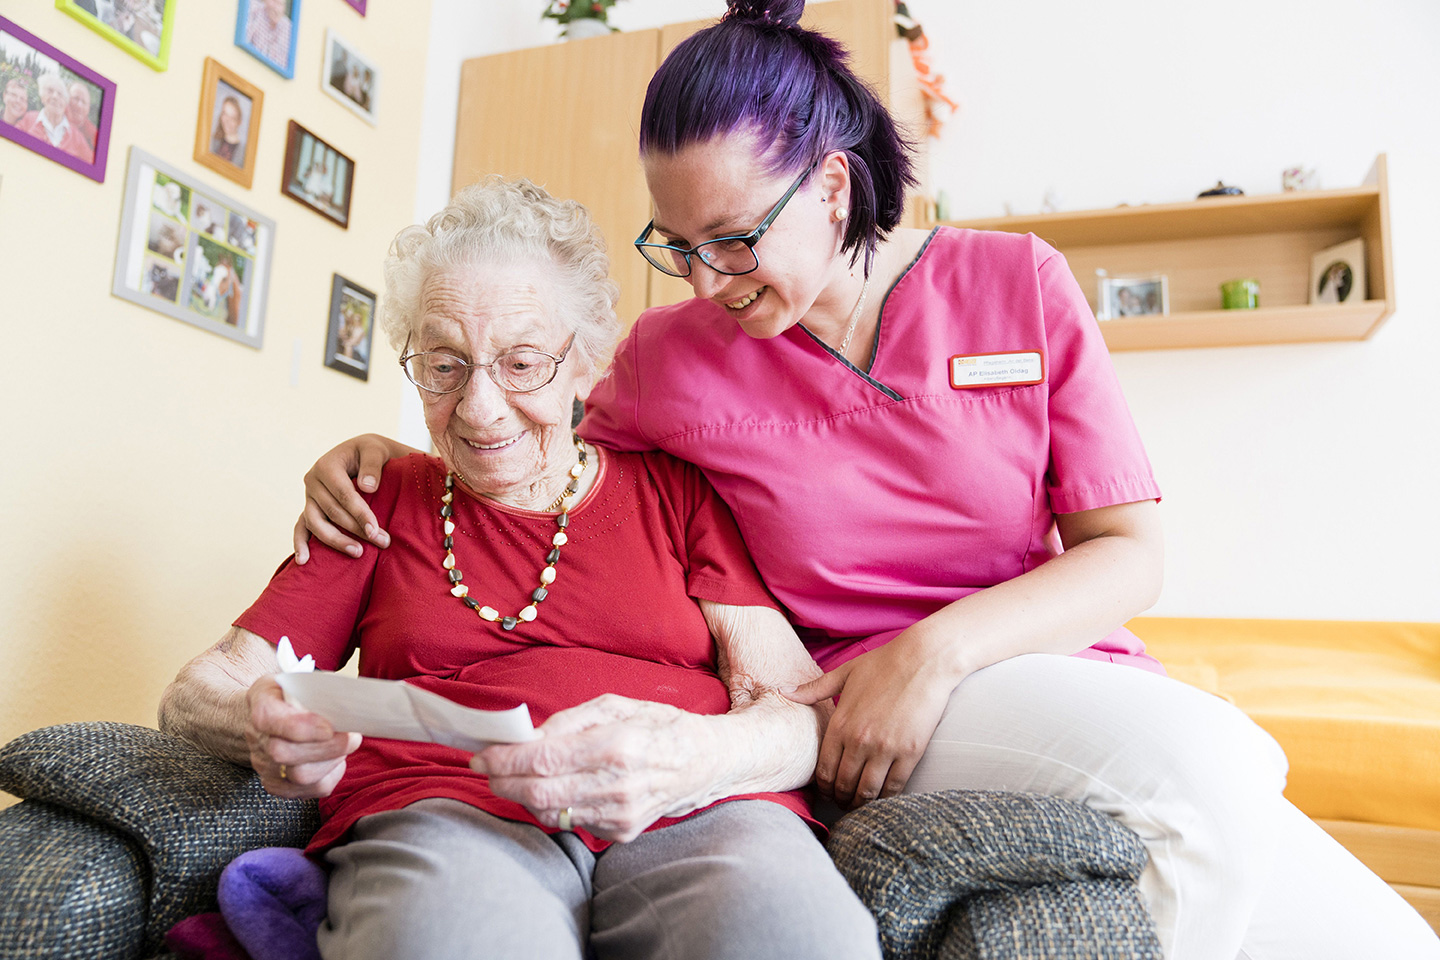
<point x="227" y="130"/>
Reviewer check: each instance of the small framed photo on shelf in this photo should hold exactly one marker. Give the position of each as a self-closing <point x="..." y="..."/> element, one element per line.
<point x="191" y="253"/>
<point x="1132" y="296"/>
<point x="142" y="28"/>
<point x="317" y="175"/>
<point x="53" y="104"/>
<point x="350" y="78"/>
<point x="229" y="123"/>
<point x="265" y="29"/>
<point x="352" y="321"/>
<point x="1337" y="274"/>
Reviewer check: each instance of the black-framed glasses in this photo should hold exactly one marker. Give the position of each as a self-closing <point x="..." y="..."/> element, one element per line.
<point x="732" y="256"/>
<point x="517" y="371"/>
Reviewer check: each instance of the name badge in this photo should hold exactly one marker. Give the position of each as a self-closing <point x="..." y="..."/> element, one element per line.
<point x="997" y="369"/>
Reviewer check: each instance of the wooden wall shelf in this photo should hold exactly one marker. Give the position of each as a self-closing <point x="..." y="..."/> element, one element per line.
<point x="1202" y="243"/>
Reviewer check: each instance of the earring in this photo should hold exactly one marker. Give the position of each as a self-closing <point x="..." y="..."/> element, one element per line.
<point x="841" y="213"/>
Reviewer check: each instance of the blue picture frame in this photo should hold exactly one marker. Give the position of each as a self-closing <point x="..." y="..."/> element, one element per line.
<point x="252" y="35"/>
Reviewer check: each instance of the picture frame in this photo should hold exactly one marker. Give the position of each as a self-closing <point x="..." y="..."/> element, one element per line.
<point x="359" y="5"/>
<point x="227" y="129"/>
<point x="1337" y="274"/>
<point x="352" y="328"/>
<point x="142" y="28"/>
<point x="349" y="78"/>
<point x="1133" y="296"/>
<point x="25" y="117"/>
<point x="268" y="31"/>
<point x="317" y="175"/>
<point x="192" y="253"/>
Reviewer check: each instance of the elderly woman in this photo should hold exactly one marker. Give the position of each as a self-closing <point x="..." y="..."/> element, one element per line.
<point x="51" y="123"/>
<point x="609" y="592"/>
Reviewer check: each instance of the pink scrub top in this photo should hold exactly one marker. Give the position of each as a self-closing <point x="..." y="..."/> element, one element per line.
<point x="871" y="500"/>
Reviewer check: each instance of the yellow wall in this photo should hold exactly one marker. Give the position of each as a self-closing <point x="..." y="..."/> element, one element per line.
<point x="150" y="470"/>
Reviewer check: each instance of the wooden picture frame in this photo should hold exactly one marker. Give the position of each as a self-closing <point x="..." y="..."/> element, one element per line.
<point x="350" y="79"/>
<point x="142" y="28"/>
<point x="192" y="253"/>
<point x="26" y="63"/>
<point x="228" y="126"/>
<point x="273" y="43"/>
<point x="317" y="175"/>
<point x="352" y="328"/>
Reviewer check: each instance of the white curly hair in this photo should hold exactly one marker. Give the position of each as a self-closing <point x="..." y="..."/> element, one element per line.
<point x="502" y="220"/>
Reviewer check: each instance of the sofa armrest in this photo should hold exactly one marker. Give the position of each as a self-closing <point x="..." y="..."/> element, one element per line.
<point x="961" y="873"/>
<point x="188" y="813"/>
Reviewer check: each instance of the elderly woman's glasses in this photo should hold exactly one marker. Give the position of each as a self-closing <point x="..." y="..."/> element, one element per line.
<point x="732" y="256"/>
<point x="516" y="371"/>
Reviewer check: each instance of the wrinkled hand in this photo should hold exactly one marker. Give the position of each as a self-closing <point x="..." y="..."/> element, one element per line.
<point x="278" y="732"/>
<point x="619" y="764"/>
<point x="890" y="703"/>
<point x="333" y="503"/>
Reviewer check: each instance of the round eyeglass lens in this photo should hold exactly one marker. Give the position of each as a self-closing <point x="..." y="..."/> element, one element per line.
<point x="437" y="372"/>
<point x="523" y="370"/>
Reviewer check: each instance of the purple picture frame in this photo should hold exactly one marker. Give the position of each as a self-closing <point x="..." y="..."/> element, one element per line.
<point x="95" y="169"/>
<point x="359" y="5"/>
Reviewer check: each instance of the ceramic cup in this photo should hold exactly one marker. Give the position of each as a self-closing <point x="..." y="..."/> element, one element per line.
<point x="1242" y="294"/>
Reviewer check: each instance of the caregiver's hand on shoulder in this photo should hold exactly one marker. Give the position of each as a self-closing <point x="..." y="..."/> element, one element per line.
<point x="890" y="701"/>
<point x="618" y="764"/>
<point x="297" y="753"/>
<point x="333" y="504"/>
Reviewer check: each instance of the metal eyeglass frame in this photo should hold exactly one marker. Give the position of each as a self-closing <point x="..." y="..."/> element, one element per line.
<point x="749" y="239"/>
<point x="487" y="367"/>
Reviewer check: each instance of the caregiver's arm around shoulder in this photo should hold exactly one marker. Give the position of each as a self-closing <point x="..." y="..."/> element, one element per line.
<point x="227" y="703"/>
<point x="333" y="504"/>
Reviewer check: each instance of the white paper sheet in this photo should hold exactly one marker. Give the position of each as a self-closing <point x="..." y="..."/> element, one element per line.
<point x="402" y="711"/>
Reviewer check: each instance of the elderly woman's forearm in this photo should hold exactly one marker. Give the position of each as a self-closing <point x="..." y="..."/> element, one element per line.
<point x="770" y="745"/>
<point x="206" y="702"/>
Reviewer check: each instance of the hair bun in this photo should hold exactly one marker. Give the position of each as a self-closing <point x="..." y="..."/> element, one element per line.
<point x="778" y="13"/>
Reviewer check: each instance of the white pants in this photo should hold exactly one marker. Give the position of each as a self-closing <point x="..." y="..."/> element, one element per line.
<point x="1235" y="870"/>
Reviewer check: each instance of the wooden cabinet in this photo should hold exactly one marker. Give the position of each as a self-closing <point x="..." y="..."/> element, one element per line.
<point x="567" y="117"/>
<point x="1202" y="243"/>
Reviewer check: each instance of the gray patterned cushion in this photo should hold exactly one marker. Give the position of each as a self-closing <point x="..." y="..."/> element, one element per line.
<point x="189" y="814"/>
<point x="70" y="889"/>
<point x="969" y="875"/>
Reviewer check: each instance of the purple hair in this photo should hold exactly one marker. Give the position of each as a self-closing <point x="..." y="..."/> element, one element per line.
<point x="760" y="72"/>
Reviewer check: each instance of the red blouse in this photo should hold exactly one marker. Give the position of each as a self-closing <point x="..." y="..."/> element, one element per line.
<point x="649" y="539"/>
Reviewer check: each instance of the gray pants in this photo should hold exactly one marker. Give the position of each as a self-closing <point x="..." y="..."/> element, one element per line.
<point x="441" y="879"/>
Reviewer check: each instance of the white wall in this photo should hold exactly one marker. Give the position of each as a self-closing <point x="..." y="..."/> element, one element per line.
<point x="1299" y="480"/>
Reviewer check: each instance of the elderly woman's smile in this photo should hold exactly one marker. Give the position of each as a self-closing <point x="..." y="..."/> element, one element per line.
<point x="506" y="444"/>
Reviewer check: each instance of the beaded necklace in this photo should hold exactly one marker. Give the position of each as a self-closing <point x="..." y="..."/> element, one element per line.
<point x="563" y="503"/>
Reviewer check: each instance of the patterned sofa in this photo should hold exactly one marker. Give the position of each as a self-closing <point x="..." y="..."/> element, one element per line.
<point x="123" y="831"/>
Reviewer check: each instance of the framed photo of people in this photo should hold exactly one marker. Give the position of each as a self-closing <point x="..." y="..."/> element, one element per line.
<point x="228" y="127"/>
<point x="142" y="28"/>
<point x="192" y="253"/>
<point x="266" y="30"/>
<point x="350" y="78"/>
<point x="352" y="321"/>
<point x="317" y="175"/>
<point x="53" y="104"/>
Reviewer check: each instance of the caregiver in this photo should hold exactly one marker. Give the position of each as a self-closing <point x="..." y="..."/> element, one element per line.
<point x="926" y="448"/>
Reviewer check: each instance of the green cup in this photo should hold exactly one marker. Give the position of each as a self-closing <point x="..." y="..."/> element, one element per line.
<point x="1242" y="294"/>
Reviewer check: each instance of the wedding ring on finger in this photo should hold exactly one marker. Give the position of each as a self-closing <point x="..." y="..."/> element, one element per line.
<point x="565" y="819"/>
<point x="284" y="772"/>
